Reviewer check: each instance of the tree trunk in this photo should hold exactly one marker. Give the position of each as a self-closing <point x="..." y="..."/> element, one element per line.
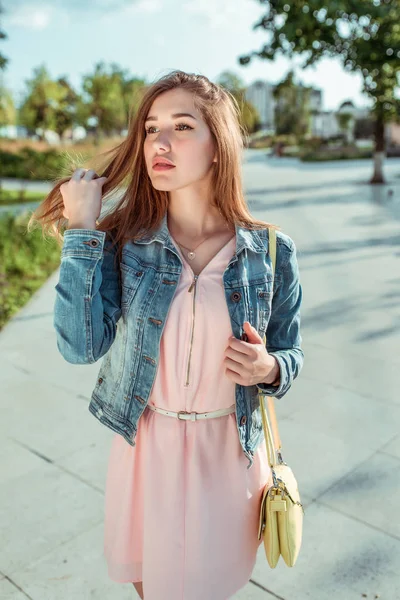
<point x="379" y="153"/>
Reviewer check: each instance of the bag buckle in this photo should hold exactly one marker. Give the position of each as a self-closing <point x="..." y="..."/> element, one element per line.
<point x="280" y="459"/>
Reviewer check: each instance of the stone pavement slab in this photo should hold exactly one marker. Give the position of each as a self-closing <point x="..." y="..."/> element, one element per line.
<point x="342" y="558"/>
<point x="339" y="423"/>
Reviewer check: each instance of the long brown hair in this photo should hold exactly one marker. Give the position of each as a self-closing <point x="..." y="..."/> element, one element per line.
<point x="141" y="207"/>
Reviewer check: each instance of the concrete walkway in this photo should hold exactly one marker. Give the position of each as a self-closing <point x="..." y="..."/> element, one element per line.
<point x="339" y="423"/>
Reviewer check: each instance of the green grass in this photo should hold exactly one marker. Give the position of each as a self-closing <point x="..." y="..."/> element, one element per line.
<point x="19" y="196"/>
<point x="26" y="261"/>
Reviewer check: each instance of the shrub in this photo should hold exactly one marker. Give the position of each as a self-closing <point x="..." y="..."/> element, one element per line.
<point x="26" y="262"/>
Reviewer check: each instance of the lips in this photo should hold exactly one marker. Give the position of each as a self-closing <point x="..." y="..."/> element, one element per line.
<point x="163" y="167"/>
<point x="162" y="161"/>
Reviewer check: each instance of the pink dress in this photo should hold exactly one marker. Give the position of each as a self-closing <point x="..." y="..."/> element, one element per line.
<point x="181" y="508"/>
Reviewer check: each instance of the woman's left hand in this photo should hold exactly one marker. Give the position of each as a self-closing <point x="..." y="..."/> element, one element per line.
<point x="248" y="363"/>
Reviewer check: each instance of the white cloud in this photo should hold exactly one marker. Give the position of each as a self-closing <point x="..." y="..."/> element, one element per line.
<point x="10" y="6"/>
<point x="134" y="7"/>
<point x="40" y="14"/>
<point x="147" y="6"/>
<point x="31" y="16"/>
<point x="222" y="13"/>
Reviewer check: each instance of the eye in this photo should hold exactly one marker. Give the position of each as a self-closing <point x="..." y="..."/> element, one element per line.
<point x="179" y="125"/>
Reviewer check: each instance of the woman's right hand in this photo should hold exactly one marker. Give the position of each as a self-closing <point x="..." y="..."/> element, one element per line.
<point x="82" y="197"/>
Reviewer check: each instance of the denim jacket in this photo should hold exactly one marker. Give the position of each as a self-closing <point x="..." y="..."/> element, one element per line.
<point x="99" y="314"/>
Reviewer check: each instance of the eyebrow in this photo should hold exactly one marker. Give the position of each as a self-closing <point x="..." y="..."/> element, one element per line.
<point x="175" y="116"/>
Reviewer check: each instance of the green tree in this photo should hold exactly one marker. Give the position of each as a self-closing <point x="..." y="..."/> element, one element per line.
<point x="132" y="89"/>
<point x="292" y="109"/>
<point x="249" y="115"/>
<point x="103" y="102"/>
<point x="65" y="108"/>
<point x="3" y="36"/>
<point x="7" y="107"/>
<point x="363" y="34"/>
<point x="346" y="120"/>
<point x="38" y="109"/>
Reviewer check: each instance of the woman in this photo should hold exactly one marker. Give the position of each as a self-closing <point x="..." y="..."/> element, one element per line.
<point x="169" y="304"/>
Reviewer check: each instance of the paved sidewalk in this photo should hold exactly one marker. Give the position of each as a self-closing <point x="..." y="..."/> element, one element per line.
<point x="339" y="423"/>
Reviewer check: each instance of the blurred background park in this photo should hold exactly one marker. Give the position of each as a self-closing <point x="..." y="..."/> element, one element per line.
<point x="314" y="83"/>
<point x="319" y="93"/>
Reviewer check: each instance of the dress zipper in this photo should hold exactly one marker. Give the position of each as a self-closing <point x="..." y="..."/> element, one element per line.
<point x="192" y="285"/>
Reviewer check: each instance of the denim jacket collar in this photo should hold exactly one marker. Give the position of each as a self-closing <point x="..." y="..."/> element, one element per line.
<point x="245" y="238"/>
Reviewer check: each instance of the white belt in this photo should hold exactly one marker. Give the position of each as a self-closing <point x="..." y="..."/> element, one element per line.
<point x="193" y="416"/>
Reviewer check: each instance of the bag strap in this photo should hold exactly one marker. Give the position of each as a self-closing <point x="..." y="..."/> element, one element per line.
<point x="272" y="441"/>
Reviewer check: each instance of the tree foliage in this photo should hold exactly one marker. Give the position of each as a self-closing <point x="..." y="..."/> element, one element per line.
<point x="363" y="34"/>
<point x="7" y="107"/>
<point x="3" y="36"/>
<point x="109" y="96"/>
<point x="249" y="115"/>
<point x="292" y="109"/>
<point x="39" y="106"/>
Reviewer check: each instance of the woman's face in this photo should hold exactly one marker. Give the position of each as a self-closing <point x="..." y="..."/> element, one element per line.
<point x="185" y="141"/>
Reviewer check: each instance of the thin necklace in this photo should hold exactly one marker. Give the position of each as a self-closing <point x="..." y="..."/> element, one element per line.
<point x="191" y="253"/>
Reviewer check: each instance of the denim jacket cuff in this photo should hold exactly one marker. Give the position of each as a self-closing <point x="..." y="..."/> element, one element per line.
<point x="83" y="242"/>
<point x="269" y="390"/>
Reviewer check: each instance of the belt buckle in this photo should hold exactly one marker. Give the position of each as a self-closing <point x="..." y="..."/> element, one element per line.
<point x="183" y="412"/>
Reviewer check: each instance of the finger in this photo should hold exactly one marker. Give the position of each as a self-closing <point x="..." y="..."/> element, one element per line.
<point x="234" y="376"/>
<point x="234" y="354"/>
<point x="239" y="346"/>
<point x="90" y="174"/>
<point x="234" y="366"/>
<point x="101" y="180"/>
<point x="77" y="175"/>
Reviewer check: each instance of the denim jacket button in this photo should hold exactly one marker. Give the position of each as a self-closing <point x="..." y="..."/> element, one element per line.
<point x="94" y="242"/>
<point x="235" y="296"/>
<point x="243" y="420"/>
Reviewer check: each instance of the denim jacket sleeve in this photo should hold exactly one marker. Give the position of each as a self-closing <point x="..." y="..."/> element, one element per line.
<point x="88" y="298"/>
<point x="283" y="339"/>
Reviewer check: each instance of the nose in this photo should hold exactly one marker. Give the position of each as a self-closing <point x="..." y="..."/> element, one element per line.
<point x="161" y="142"/>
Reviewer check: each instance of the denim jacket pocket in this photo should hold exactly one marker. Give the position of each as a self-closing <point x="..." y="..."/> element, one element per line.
<point x="264" y="306"/>
<point x="106" y="387"/>
<point x="261" y="298"/>
<point x="130" y="281"/>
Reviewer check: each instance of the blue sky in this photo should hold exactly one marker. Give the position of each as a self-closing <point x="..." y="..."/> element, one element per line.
<point x="150" y="38"/>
